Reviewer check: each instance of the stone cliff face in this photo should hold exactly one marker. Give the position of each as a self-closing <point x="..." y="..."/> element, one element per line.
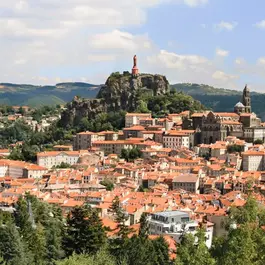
<point x="120" y="92"/>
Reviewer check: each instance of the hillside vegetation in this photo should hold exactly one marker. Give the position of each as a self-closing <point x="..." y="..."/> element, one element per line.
<point x="220" y="99"/>
<point x="123" y="93"/>
<point x="23" y="94"/>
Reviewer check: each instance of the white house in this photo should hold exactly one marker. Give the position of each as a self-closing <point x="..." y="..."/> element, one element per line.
<point x="176" y="224"/>
<point x="55" y="158"/>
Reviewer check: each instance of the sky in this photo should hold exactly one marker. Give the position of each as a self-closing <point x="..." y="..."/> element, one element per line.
<point x="214" y="42"/>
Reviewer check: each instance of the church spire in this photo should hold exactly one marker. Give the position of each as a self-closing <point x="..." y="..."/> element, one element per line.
<point x="246" y="100"/>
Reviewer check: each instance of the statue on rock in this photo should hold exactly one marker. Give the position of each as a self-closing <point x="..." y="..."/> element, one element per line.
<point x="135" y="70"/>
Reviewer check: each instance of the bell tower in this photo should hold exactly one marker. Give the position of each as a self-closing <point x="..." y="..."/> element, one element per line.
<point x="135" y="70"/>
<point x="246" y="100"/>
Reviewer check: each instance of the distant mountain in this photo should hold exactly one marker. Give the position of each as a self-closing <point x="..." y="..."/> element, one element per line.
<point x="220" y="99"/>
<point x="23" y="94"/>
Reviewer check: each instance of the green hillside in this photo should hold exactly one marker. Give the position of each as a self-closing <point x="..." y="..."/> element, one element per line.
<point x="220" y="99"/>
<point x="24" y="94"/>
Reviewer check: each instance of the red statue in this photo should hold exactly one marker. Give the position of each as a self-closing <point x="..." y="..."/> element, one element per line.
<point x="134" y="61"/>
<point x="135" y="70"/>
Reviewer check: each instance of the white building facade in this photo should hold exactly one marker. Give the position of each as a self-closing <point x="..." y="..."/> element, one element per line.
<point x="176" y="224"/>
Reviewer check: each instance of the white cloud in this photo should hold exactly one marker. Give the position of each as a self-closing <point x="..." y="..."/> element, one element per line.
<point x="20" y="61"/>
<point x="221" y="53"/>
<point x="177" y="61"/>
<point x="119" y="40"/>
<point x="100" y="57"/>
<point x="222" y="76"/>
<point x="223" y="25"/>
<point x="261" y="61"/>
<point x="190" y="68"/>
<point x="260" y="24"/>
<point x="194" y="3"/>
<point x="239" y="61"/>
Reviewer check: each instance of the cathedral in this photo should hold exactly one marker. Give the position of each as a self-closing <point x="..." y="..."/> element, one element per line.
<point x="217" y="126"/>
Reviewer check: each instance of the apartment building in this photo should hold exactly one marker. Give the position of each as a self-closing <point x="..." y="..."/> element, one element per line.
<point x="175" y="224"/>
<point x="21" y="169"/>
<point x="84" y="140"/>
<point x="253" y="160"/>
<point x="176" y="140"/>
<point x="188" y="182"/>
<point x="115" y="147"/>
<point x="134" y="131"/>
<point x="55" y="158"/>
<point x="134" y="118"/>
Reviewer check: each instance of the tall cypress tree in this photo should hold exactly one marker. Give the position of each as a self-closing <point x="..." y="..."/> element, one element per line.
<point x="11" y="246"/>
<point x="84" y="231"/>
<point x="121" y="217"/>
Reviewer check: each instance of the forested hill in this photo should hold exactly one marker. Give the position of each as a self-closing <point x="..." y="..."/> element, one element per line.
<point x="220" y="99"/>
<point x="23" y="94"/>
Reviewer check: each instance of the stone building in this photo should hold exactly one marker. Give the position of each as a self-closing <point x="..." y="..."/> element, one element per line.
<point x="242" y="123"/>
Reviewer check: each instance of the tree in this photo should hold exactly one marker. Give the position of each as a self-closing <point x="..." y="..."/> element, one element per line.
<point x="245" y="239"/>
<point x="139" y="251"/>
<point x="121" y="218"/>
<point x="102" y="257"/>
<point x="125" y="154"/>
<point x="108" y="184"/>
<point x="41" y="227"/>
<point x="194" y="251"/>
<point x="161" y="251"/>
<point x="11" y="246"/>
<point x="142" y="107"/>
<point x="234" y="148"/>
<point x="238" y="248"/>
<point x="258" y="141"/>
<point x="84" y="232"/>
<point x="144" y="227"/>
<point x="131" y="154"/>
<point x="63" y="165"/>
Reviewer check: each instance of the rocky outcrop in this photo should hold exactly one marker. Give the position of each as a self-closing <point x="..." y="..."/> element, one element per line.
<point x="120" y="92"/>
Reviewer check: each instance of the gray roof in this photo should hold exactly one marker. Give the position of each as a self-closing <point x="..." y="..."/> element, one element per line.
<point x="172" y="213"/>
<point x="239" y="105"/>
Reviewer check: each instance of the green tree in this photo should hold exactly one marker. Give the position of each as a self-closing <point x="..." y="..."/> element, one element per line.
<point x="84" y="232"/>
<point x="234" y="148"/>
<point x="139" y="251"/>
<point x="125" y="154"/>
<point x="144" y="227"/>
<point x="161" y="251"/>
<point x="258" y="141"/>
<point x="41" y="227"/>
<point x="11" y="246"/>
<point x="194" y="252"/>
<point x="142" y="107"/>
<point x="108" y="184"/>
<point x="102" y="257"/>
<point x="237" y="248"/>
<point x="245" y="239"/>
<point x="121" y="217"/>
<point x="131" y="154"/>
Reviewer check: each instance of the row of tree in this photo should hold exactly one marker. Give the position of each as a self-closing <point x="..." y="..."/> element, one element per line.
<point x="37" y="233"/>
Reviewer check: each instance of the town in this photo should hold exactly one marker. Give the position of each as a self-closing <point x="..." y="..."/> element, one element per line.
<point x="183" y="171"/>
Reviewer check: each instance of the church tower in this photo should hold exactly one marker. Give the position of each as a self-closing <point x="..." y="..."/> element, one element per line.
<point x="246" y="99"/>
<point x="135" y="70"/>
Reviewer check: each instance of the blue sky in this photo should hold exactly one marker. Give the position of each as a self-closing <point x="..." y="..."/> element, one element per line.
<point x="216" y="42"/>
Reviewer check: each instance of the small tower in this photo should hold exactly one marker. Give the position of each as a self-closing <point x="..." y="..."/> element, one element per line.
<point x="135" y="70"/>
<point x="246" y="99"/>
